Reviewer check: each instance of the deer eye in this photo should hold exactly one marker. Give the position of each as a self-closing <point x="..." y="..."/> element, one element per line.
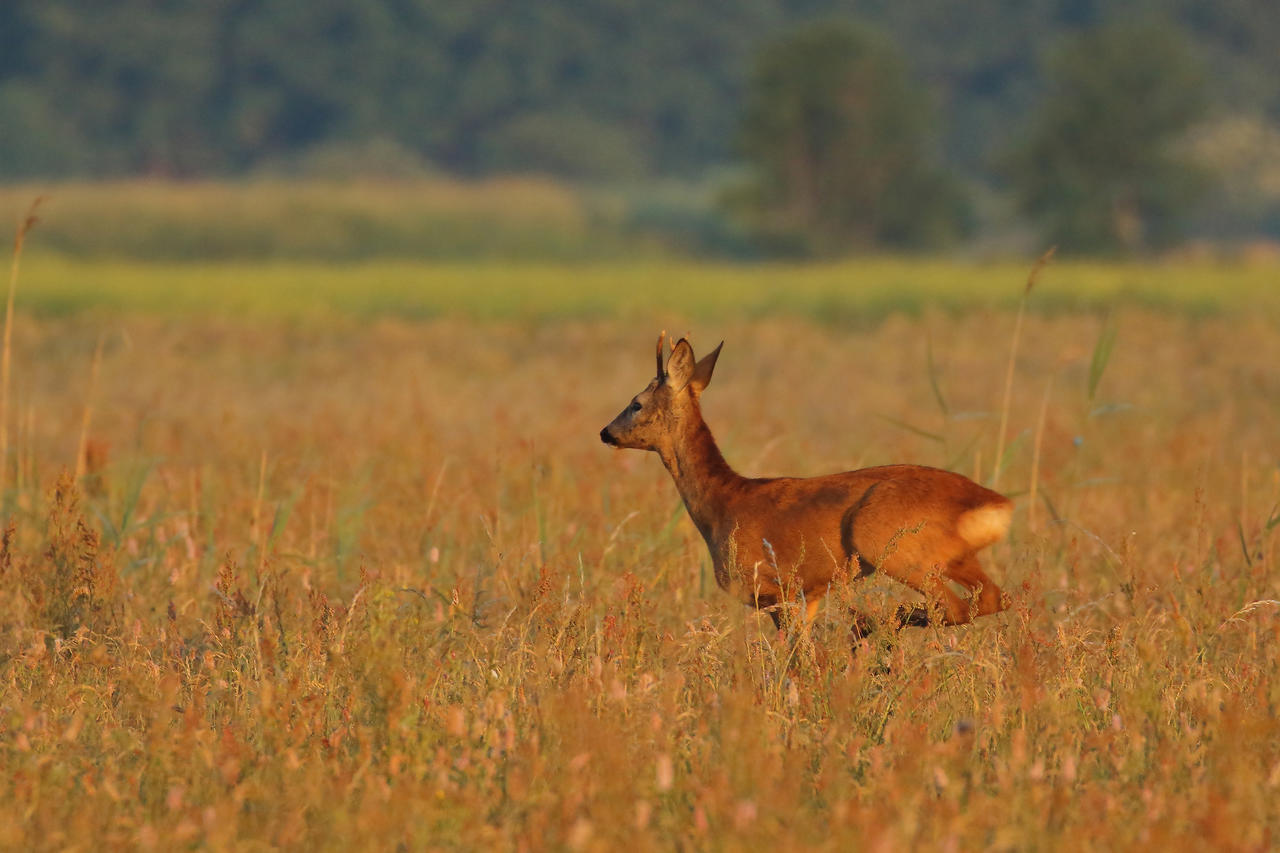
<point x="634" y="407"/>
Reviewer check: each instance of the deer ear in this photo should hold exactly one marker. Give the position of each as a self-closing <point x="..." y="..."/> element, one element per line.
<point x="703" y="369"/>
<point x="681" y="365"/>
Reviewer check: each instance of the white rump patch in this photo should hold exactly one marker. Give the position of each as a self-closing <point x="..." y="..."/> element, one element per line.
<point x="985" y="525"/>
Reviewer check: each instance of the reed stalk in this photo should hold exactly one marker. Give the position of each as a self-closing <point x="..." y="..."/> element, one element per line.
<point x="6" y="360"/>
<point x="1013" y="359"/>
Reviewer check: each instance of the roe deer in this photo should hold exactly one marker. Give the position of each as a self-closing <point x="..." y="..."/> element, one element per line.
<point x="784" y="540"/>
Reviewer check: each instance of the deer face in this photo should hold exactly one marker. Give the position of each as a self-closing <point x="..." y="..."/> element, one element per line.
<point x="653" y="415"/>
<point x="642" y="424"/>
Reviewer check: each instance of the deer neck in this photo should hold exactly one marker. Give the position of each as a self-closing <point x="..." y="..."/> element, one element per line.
<point x="702" y="476"/>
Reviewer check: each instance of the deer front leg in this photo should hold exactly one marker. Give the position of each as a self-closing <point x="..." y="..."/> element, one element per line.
<point x="805" y="611"/>
<point x="860" y="627"/>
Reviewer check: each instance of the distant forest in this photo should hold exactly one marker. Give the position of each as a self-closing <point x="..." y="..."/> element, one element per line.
<point x="609" y="90"/>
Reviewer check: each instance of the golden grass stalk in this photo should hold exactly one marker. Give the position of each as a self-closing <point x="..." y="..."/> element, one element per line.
<point x="1013" y="358"/>
<point x="1035" y="458"/>
<point x="25" y="464"/>
<point x="86" y="421"/>
<point x="259" y="536"/>
<point x="435" y="491"/>
<point x="24" y="226"/>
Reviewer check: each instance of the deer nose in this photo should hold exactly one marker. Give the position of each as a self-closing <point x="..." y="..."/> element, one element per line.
<point x="606" y="438"/>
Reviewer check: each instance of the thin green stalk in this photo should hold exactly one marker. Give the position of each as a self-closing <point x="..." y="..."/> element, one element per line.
<point x="1013" y="359"/>
<point x="24" y="226"/>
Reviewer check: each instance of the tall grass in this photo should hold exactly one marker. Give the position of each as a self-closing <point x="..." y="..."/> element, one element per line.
<point x="25" y="224"/>
<point x="1013" y="360"/>
<point x="369" y="584"/>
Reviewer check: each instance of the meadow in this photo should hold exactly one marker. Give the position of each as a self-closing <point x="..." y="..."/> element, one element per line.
<point x="314" y="556"/>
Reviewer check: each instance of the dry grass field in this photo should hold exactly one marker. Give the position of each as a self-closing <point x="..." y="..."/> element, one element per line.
<point x="372" y="582"/>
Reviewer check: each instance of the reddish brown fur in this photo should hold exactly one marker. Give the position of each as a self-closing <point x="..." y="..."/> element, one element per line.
<point x="786" y="539"/>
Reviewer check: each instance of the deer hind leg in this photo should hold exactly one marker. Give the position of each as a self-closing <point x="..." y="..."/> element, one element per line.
<point x="914" y="562"/>
<point x="984" y="599"/>
<point x="986" y="595"/>
<point x="942" y="602"/>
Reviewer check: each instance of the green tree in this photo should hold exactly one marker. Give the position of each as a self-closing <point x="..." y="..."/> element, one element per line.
<point x="836" y="132"/>
<point x="1101" y="168"/>
<point x="605" y="89"/>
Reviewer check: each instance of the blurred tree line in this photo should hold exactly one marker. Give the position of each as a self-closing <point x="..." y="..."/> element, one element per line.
<point x="620" y="90"/>
<point x="839" y="137"/>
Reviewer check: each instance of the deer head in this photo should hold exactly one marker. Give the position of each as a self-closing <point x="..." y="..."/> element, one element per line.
<point x="669" y="400"/>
